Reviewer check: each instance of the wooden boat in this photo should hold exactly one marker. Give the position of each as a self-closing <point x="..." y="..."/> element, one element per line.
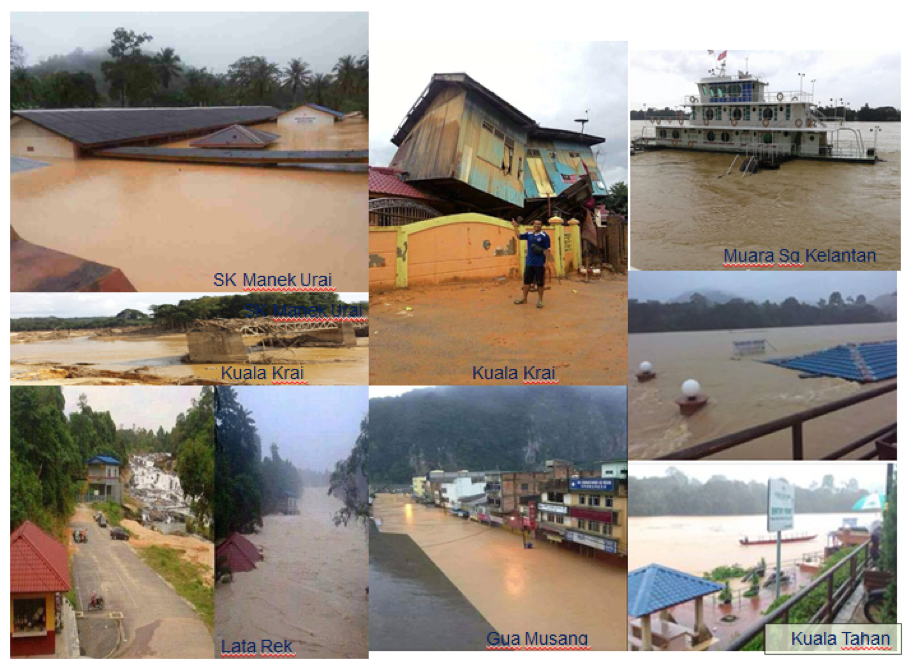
<point x="771" y="539"/>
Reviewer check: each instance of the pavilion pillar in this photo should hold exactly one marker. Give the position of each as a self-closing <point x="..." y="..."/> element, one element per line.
<point x="699" y="615"/>
<point x="646" y="641"/>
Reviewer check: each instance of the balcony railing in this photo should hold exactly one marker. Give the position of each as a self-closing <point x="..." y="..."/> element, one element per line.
<point x="795" y="424"/>
<point x="834" y="599"/>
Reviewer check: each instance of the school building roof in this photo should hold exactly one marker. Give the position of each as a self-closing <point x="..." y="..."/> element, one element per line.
<point x="103" y="127"/>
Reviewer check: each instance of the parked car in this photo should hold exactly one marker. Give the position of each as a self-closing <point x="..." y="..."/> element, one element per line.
<point x="101" y="521"/>
<point x="119" y="533"/>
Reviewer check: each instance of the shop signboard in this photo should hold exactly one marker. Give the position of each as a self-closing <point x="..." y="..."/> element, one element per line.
<point x="591" y="484"/>
<point x="596" y="542"/>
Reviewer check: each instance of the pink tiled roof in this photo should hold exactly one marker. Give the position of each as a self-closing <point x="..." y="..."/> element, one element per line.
<point x="38" y="562"/>
<point x="386" y="181"/>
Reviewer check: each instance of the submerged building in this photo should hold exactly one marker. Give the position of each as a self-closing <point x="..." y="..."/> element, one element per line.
<point x="463" y="142"/>
<point x="75" y="133"/>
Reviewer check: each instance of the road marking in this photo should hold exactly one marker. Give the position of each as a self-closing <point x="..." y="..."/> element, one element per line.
<point x="117" y="573"/>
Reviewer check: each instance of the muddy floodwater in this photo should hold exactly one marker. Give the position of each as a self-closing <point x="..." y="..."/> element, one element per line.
<point x="171" y="226"/>
<point x="744" y="393"/>
<point x="697" y="545"/>
<point x="34" y="362"/>
<point x="683" y="216"/>
<point x="546" y="589"/>
<point x="311" y="587"/>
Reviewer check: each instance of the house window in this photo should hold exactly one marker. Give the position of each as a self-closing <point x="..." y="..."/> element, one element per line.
<point x="608" y="502"/>
<point x="607" y="530"/>
<point x="508" y="155"/>
<point x="520" y="170"/>
<point x="581" y="499"/>
<point x="581" y="524"/>
<point x="594" y="501"/>
<point x="524" y="487"/>
<point x="549" y="517"/>
<point x="560" y="519"/>
<point x="593" y="526"/>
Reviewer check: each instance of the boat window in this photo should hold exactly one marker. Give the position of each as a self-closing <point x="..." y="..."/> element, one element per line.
<point x="788" y="112"/>
<point x="746" y="112"/>
<point x="735" y="90"/>
<point x="663" y="134"/>
<point x="704" y="89"/>
<point x="767" y="113"/>
<point x="710" y="135"/>
<point x="737" y="114"/>
<point x="709" y="114"/>
<point x="721" y="91"/>
<point x="811" y="137"/>
<point x="725" y="136"/>
<point x="676" y="134"/>
<point x="767" y="138"/>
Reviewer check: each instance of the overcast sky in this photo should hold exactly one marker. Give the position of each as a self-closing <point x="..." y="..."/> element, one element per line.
<point x="213" y="40"/>
<point x="313" y="427"/>
<point x="807" y="286"/>
<point x="870" y="475"/>
<point x="664" y="78"/>
<point x="101" y="304"/>
<point x="552" y="82"/>
<point x="148" y="407"/>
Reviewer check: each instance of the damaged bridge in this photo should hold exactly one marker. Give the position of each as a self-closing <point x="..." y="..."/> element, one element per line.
<point x="230" y="340"/>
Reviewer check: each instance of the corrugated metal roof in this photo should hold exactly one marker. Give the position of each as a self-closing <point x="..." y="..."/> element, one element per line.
<point x="657" y="587"/>
<point x="38" y="562"/>
<point x="863" y="363"/>
<point x="104" y="459"/>
<point x="386" y="181"/>
<point x="542" y="133"/>
<point x="96" y="127"/>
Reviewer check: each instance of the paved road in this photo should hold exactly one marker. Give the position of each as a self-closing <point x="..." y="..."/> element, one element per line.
<point x="156" y="621"/>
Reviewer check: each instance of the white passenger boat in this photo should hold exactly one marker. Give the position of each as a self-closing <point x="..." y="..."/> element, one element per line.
<point x="740" y="114"/>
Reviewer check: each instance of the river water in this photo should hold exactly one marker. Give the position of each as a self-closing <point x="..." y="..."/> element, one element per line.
<point x="171" y="226"/>
<point x="683" y="217"/>
<point x="545" y="589"/>
<point x="311" y="587"/>
<point x="162" y="353"/>
<point x="745" y="393"/>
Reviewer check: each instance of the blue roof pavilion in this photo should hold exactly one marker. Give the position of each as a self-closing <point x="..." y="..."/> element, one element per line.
<point x="863" y="362"/>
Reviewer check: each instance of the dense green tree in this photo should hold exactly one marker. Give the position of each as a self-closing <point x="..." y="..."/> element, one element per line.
<point x="254" y="79"/>
<point x="319" y="87"/>
<point x="238" y="474"/>
<point x="349" y="480"/>
<point x="195" y="445"/>
<point x="131" y="74"/>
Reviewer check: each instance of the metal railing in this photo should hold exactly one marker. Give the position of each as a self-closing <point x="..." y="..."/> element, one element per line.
<point x="787" y="96"/>
<point x="392" y="212"/>
<point x="795" y="424"/>
<point x="834" y="599"/>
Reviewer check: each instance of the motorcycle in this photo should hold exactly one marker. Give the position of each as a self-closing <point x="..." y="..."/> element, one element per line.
<point x="80" y="536"/>
<point x="97" y="603"/>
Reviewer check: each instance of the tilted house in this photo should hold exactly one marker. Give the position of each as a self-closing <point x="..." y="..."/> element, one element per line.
<point x="462" y="140"/>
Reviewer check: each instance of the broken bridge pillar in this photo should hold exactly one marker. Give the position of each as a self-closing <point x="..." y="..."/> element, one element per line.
<point x="217" y="346"/>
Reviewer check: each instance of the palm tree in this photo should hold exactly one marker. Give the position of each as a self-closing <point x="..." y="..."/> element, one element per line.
<point x="166" y="64"/>
<point x="346" y="72"/>
<point x="297" y="76"/>
<point x="319" y="87"/>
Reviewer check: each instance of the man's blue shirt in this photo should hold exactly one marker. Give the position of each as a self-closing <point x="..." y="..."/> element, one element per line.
<point x="542" y="239"/>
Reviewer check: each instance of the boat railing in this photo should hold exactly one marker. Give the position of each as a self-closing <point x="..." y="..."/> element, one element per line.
<point x="795" y="424"/>
<point x="835" y="597"/>
<point x="782" y="96"/>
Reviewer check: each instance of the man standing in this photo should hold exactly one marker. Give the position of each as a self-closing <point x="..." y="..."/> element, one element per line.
<point x="535" y="260"/>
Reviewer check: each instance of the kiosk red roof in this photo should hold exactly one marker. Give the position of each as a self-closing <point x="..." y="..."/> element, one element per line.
<point x="38" y="562"/>
<point x="240" y="553"/>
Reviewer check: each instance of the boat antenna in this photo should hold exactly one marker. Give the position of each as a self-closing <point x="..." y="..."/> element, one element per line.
<point x="583" y="121"/>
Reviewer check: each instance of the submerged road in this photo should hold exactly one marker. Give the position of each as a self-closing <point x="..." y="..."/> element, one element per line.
<point x="157" y="623"/>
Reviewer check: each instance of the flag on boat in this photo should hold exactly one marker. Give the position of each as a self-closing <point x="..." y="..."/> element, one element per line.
<point x="710" y="53"/>
<point x="722" y="56"/>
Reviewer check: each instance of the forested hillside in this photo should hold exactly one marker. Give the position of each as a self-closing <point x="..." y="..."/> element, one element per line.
<point x="678" y="494"/>
<point x="505" y="428"/>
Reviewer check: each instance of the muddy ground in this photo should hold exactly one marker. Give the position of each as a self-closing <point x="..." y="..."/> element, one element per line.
<point x="449" y="329"/>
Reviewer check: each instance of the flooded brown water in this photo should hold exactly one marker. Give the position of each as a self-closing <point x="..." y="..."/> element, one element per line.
<point x="171" y="226"/>
<point x="745" y="393"/>
<point x="683" y="217"/>
<point x="162" y="353"/>
<point x="513" y="588"/>
<point x="699" y="544"/>
<point x="310" y="588"/>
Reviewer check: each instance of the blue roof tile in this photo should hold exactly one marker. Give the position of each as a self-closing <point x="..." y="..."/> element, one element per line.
<point x="863" y="363"/>
<point x="104" y="459"/>
<point x="657" y="587"/>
